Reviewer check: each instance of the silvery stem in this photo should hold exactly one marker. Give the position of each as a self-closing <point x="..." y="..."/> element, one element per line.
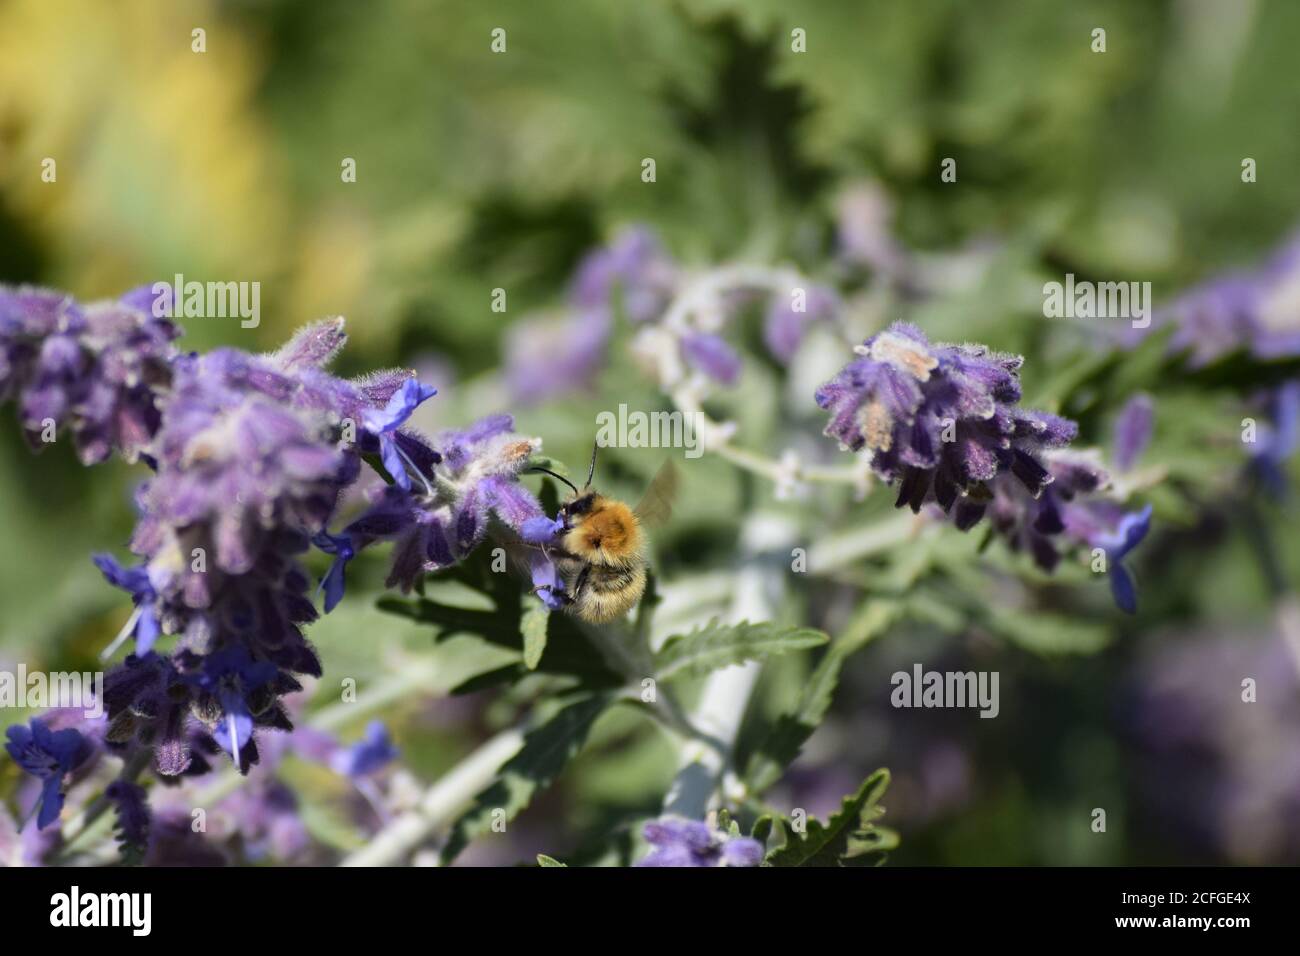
<point x="721" y="707"/>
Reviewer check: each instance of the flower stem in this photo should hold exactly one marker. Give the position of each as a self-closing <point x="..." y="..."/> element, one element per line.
<point x="440" y="803"/>
<point x="703" y="769"/>
<point x="707" y="292"/>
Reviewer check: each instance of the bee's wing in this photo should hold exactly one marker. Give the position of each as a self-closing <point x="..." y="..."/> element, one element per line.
<point x="656" y="505"/>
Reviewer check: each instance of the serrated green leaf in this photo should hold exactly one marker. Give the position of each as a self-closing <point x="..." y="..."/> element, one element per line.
<point x="845" y="839"/>
<point x="546" y="750"/>
<point x="720" y="645"/>
<point x="544" y="860"/>
<point x="533" y="625"/>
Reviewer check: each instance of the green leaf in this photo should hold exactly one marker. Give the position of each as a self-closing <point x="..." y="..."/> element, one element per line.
<point x="846" y="839"/>
<point x="494" y="626"/>
<point x="568" y="651"/>
<point x="1049" y="634"/>
<point x="546" y="750"/>
<point x="786" y="738"/>
<point x="544" y="860"/>
<point x="532" y="625"/>
<point x="720" y="645"/>
<point x="497" y="677"/>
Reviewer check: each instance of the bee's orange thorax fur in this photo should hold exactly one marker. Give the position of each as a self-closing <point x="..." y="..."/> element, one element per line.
<point x="607" y="534"/>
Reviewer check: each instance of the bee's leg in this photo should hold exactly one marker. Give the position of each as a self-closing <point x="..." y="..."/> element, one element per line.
<point x="581" y="582"/>
<point x="557" y="595"/>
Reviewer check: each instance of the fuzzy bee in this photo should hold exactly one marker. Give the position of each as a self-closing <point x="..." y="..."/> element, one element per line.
<point x="601" y="549"/>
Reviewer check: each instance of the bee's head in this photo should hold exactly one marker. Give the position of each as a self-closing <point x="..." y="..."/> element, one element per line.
<point x="582" y="501"/>
<point x="577" y="507"/>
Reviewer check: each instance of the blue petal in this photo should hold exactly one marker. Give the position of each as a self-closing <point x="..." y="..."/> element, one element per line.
<point x="1132" y="529"/>
<point x="334" y="583"/>
<point x="146" y="631"/>
<point x="133" y="580"/>
<point x="1123" y="589"/>
<point x="540" y="529"/>
<point x="234" y="711"/>
<point x="393" y="462"/>
<point x="400" y="405"/>
<point x="551" y="597"/>
<point x="51" y="802"/>
<point x="330" y="543"/>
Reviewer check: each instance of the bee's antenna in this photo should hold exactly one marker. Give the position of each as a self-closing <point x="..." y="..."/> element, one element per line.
<point x="547" y="471"/>
<point x="592" y="470"/>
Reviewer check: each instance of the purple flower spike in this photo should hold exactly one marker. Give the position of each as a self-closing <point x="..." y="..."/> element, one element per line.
<point x="369" y="755"/>
<point x="383" y="424"/>
<point x="97" y="372"/>
<point x="1133" y="431"/>
<point x="681" y="842"/>
<point x="941" y="421"/>
<point x="49" y="756"/>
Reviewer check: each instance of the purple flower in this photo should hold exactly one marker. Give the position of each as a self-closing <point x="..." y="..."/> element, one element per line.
<point x="339" y="545"/>
<point x="864" y="219"/>
<point x="547" y="583"/>
<point x="1275" y="440"/>
<point x="263" y="822"/>
<point x="941" y="421"/>
<point x="148" y="700"/>
<point x="1073" y="512"/>
<point x="1133" y="431"/>
<point x="48" y="755"/>
<point x="250" y="467"/>
<point x="370" y="754"/>
<point x="1117" y="544"/>
<point x="251" y="456"/>
<point x="1215" y="771"/>
<point x="476" y="478"/>
<point x="633" y="266"/>
<point x="383" y="425"/>
<point x="419" y="534"/>
<point x="227" y="681"/>
<point x="143" y="623"/>
<point x="546" y="358"/>
<point x="1254" y="310"/>
<point x="681" y="842"/>
<point x="712" y="355"/>
<point x="541" y="529"/>
<point x="483" y="465"/>
<point x="99" y="371"/>
<point x="1038" y="524"/>
<point x="784" y="328"/>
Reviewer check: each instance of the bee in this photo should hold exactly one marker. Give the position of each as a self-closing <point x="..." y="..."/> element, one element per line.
<point x="601" y="554"/>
